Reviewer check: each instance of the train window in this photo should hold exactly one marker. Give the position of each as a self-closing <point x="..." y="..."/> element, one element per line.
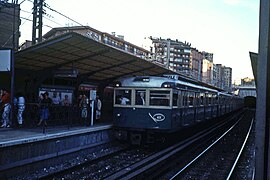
<point x="140" y="97"/>
<point x="123" y="96"/>
<point x="206" y="99"/>
<point x="159" y="98"/>
<point x="175" y="98"/>
<point x="210" y="99"/>
<point x="214" y="99"/>
<point x="197" y="99"/>
<point x="202" y="99"/>
<point x="191" y="96"/>
<point x="185" y="98"/>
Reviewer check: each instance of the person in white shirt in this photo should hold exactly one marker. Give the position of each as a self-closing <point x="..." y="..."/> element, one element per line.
<point x="140" y="98"/>
<point x="98" y="106"/>
<point x="21" y="108"/>
<point x="124" y="100"/>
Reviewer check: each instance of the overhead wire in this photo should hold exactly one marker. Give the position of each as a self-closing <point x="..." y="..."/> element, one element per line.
<point x="48" y="18"/>
<point x="16" y="16"/>
<point x="47" y="6"/>
<point x="22" y="2"/>
<point x="53" y="21"/>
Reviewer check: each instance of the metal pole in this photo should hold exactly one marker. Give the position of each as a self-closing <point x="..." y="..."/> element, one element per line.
<point x="262" y="116"/>
<point x="12" y="65"/>
<point x="92" y="112"/>
<point x="34" y="30"/>
<point x="40" y="12"/>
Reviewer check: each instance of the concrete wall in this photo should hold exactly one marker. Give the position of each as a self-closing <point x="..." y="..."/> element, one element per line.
<point x="20" y="155"/>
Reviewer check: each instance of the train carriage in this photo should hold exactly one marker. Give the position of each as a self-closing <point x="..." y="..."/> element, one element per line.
<point x="145" y="105"/>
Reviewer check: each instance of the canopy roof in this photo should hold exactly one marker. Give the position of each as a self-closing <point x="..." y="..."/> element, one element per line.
<point x="91" y="59"/>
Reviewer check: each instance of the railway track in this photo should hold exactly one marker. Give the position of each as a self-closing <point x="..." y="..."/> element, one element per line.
<point x="220" y="158"/>
<point x="136" y="162"/>
<point x="161" y="165"/>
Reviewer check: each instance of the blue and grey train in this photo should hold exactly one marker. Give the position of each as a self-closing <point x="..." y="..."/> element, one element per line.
<point x="145" y="105"/>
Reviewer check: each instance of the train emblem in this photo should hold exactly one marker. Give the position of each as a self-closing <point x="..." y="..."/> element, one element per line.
<point x="158" y="117"/>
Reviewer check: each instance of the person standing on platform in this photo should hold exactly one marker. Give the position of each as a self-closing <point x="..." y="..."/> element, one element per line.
<point x="21" y="108"/>
<point x="56" y="99"/>
<point x="84" y="107"/>
<point x="46" y="103"/>
<point x="65" y="101"/>
<point x="5" y="104"/>
<point x="98" y="106"/>
<point x="40" y="98"/>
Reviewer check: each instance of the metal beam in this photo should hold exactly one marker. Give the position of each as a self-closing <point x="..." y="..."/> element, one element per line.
<point x="107" y="68"/>
<point x="262" y="116"/>
<point x="45" y="44"/>
<point x="77" y="60"/>
<point x="129" y="73"/>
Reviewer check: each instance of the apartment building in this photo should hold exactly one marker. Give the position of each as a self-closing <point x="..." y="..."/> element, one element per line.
<point x="114" y="40"/>
<point x="173" y="54"/>
<point x="196" y="64"/>
<point x="207" y="67"/>
<point x="9" y="23"/>
<point x="223" y="77"/>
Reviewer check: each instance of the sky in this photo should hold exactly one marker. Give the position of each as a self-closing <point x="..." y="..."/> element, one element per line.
<point x="227" y="28"/>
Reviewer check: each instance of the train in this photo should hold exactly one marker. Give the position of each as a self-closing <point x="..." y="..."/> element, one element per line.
<point x="147" y="105"/>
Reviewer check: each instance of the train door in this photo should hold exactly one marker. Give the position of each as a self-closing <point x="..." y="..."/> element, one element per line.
<point x="208" y="107"/>
<point x="215" y="105"/>
<point x="184" y="104"/>
<point x="191" y="107"/>
<point x="200" y="107"/>
<point x="176" y="111"/>
<point x="197" y="105"/>
<point x="187" y="108"/>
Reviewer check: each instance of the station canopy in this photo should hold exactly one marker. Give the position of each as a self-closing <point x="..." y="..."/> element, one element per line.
<point x="94" y="61"/>
<point x="254" y="62"/>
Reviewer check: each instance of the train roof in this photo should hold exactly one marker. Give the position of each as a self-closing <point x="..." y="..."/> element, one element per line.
<point x="156" y="81"/>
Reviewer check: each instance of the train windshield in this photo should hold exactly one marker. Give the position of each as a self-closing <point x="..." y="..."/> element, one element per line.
<point x="123" y="97"/>
<point x="159" y="98"/>
<point x="140" y="97"/>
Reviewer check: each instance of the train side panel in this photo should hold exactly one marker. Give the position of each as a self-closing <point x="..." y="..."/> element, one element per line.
<point x="142" y="118"/>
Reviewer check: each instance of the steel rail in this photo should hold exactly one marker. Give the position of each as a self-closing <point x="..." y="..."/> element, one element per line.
<point x="241" y="150"/>
<point x="184" y="168"/>
<point x="138" y="168"/>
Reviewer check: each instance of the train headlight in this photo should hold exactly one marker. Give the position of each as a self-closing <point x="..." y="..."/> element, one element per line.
<point x="166" y="85"/>
<point x="118" y="115"/>
<point x="117" y="84"/>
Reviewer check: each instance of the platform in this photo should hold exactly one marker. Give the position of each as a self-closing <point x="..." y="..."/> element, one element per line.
<point x="28" y="148"/>
<point x="16" y="136"/>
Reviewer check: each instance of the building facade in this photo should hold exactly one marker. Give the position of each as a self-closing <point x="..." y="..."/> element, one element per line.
<point x="196" y="64"/>
<point x="227" y="79"/>
<point x="9" y="23"/>
<point x="222" y="77"/>
<point x="248" y="82"/>
<point x="114" y="40"/>
<point x="173" y="54"/>
<point x="219" y="78"/>
<point x="207" y="67"/>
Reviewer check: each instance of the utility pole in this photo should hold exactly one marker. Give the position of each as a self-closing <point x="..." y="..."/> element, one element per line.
<point x="263" y="95"/>
<point x="37" y="21"/>
<point x="12" y="73"/>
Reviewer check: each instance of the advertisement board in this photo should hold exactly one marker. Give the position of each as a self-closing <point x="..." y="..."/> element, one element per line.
<point x="5" y="60"/>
